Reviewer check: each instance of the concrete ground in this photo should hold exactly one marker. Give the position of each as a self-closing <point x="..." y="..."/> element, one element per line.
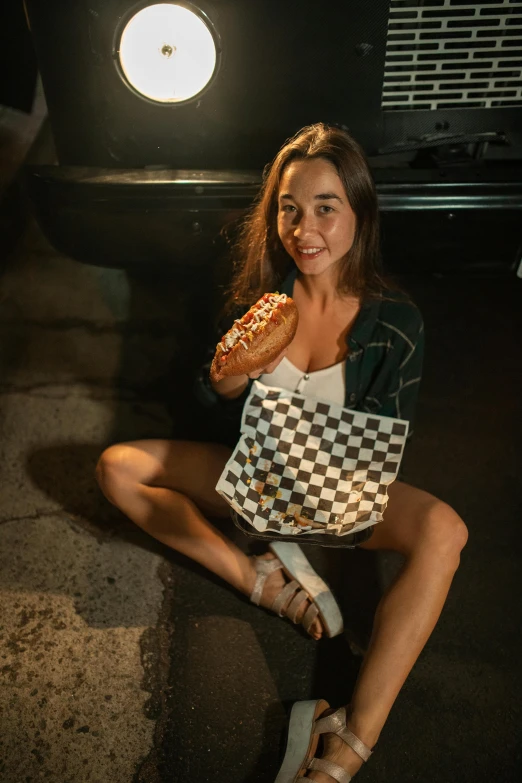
<point x="121" y="661"/>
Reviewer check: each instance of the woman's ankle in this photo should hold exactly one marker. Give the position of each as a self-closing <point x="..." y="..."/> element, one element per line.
<point x="249" y="577"/>
<point x="363" y="726"/>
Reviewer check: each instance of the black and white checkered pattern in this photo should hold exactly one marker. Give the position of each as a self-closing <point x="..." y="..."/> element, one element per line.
<point x="304" y="466"/>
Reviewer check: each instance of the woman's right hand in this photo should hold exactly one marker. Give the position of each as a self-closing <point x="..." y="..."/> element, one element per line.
<point x="232" y="386"/>
<point x="270" y="367"/>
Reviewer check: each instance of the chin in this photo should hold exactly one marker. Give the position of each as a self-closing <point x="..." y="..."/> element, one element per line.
<point x="309" y="267"/>
<point x="314" y="269"/>
<point x="311" y="272"/>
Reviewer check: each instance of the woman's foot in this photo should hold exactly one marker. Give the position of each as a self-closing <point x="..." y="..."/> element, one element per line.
<point x="332" y="748"/>
<point x="271" y="589"/>
<point x="338" y="752"/>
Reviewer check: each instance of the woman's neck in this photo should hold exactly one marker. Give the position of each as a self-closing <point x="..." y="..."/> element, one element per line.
<point x="322" y="292"/>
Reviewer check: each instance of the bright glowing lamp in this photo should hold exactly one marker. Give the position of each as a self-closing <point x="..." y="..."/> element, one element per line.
<point x="167" y="53"/>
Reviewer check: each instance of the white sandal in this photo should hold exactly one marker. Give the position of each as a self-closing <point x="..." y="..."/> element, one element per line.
<point x="304" y="730"/>
<point x="305" y="585"/>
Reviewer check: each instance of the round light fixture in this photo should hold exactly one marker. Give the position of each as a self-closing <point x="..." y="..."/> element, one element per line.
<point x="167" y="53"/>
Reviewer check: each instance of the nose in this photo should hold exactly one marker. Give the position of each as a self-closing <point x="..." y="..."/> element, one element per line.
<point x="304" y="226"/>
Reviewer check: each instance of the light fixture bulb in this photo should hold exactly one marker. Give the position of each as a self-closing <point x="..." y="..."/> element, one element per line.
<point x="167" y="53"/>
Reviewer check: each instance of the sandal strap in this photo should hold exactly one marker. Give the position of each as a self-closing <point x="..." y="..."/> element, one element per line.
<point x="355" y="743"/>
<point x="263" y="569"/>
<point x="268" y="566"/>
<point x="334" y="770"/>
<point x="284" y="596"/>
<point x="336" y="724"/>
<point x="295" y="604"/>
<point x="331" y="724"/>
<point x="291" y="595"/>
<point x="309" y="616"/>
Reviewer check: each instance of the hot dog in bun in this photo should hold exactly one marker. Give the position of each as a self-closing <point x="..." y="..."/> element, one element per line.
<point x="257" y="338"/>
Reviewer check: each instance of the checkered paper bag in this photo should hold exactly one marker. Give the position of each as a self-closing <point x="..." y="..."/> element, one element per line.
<point x="305" y="466"/>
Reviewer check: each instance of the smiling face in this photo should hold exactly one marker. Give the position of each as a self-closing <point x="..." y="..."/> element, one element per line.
<point x="315" y="221"/>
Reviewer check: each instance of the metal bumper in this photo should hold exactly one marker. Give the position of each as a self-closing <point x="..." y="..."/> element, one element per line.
<point x="433" y="221"/>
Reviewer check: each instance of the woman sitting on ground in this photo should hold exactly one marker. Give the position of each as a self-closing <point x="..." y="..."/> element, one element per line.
<point x="314" y="234"/>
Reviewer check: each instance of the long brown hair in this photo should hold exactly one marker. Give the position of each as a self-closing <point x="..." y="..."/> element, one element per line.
<point x="260" y="261"/>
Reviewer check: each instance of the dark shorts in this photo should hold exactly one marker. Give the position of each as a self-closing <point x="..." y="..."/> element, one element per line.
<point x="350" y="541"/>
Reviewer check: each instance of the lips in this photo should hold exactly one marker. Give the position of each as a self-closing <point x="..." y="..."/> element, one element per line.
<point x="309" y="252"/>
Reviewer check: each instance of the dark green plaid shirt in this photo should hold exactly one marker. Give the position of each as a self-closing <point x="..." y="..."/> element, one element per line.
<point x="383" y="367"/>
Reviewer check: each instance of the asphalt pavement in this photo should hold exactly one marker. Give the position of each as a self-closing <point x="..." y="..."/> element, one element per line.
<point x="123" y="662"/>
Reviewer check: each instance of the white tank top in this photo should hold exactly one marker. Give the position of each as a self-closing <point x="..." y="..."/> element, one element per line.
<point x="328" y="384"/>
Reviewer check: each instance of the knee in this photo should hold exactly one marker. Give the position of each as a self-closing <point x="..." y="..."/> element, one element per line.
<point x="113" y="469"/>
<point x="444" y="532"/>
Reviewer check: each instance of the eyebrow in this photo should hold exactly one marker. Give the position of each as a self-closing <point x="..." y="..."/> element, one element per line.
<point x="320" y="197"/>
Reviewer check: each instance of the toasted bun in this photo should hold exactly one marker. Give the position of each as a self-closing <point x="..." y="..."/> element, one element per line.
<point x="264" y="345"/>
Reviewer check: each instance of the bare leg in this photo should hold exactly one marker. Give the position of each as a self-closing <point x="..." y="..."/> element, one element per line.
<point x="166" y="487"/>
<point x="431" y="536"/>
<point x="131" y="476"/>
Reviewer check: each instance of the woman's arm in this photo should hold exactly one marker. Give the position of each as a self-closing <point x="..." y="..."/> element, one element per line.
<point x="401" y="400"/>
<point x="231" y="387"/>
<point x="401" y="387"/>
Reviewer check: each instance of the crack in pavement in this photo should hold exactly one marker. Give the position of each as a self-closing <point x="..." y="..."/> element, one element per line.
<point x="39" y="514"/>
<point x="155" y="659"/>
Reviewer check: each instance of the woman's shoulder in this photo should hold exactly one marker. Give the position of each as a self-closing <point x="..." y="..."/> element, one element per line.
<point x="398" y="311"/>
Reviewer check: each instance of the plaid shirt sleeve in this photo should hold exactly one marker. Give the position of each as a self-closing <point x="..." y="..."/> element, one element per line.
<point x="401" y="401"/>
